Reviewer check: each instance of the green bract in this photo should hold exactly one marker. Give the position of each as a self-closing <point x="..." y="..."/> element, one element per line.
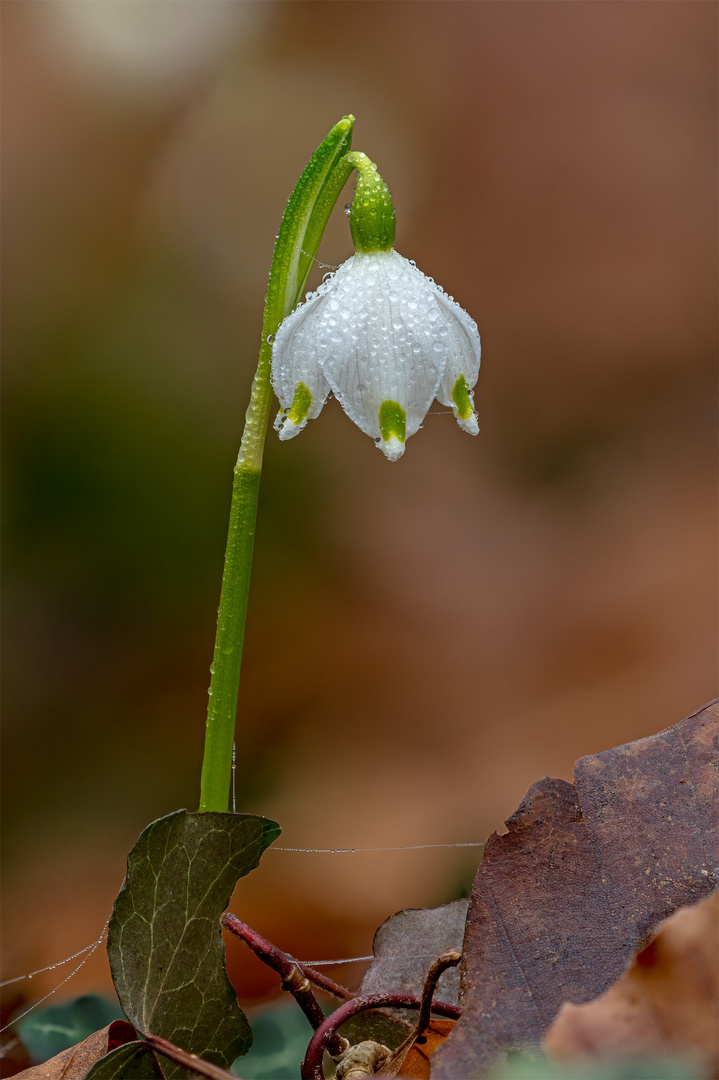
<point x="372" y="220"/>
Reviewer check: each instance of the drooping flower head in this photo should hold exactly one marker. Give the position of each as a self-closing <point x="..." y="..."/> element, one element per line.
<point x="379" y="335"/>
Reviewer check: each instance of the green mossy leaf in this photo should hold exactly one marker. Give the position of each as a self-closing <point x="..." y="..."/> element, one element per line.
<point x="47" y="1032"/>
<point x="281" y="1038"/>
<point x="164" y="941"/>
<point x="133" y="1061"/>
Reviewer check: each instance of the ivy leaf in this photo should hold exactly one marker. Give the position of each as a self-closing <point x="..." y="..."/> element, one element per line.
<point x="280" y="1041"/>
<point x="576" y="886"/>
<point x="164" y="940"/>
<point x="134" y="1061"/>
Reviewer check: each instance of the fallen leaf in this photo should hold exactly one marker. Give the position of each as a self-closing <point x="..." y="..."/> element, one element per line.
<point x="164" y="938"/>
<point x="565" y="898"/>
<point x="407" y="944"/>
<point x="415" y="1065"/>
<point x="665" y="1006"/>
<point x="75" y="1062"/>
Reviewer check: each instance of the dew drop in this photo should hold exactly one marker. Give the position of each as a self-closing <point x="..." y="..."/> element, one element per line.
<point x="270" y="338"/>
<point x="209" y="691"/>
<point x="212" y="668"/>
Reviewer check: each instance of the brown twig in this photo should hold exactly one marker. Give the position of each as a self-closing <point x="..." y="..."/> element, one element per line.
<point x="312" y="1065"/>
<point x="324" y="983"/>
<point x="446" y="960"/>
<point x="295" y="977"/>
<point x="190" y="1061"/>
<point x="271" y="955"/>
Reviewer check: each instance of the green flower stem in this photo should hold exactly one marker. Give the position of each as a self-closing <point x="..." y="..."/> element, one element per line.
<point x="227" y="659"/>
<point x="303" y="224"/>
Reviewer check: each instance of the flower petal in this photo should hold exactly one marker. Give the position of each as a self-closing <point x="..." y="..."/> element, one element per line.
<point x="380" y="338"/>
<point x="462" y="367"/>
<point x="297" y="378"/>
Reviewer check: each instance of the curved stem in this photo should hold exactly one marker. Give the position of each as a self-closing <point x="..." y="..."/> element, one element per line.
<point x="312" y="1065"/>
<point x="303" y="224"/>
<point x="446" y="960"/>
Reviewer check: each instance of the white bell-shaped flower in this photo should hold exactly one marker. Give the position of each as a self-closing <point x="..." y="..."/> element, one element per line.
<point x="385" y="340"/>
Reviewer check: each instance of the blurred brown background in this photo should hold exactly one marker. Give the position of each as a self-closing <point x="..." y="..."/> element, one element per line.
<point x="425" y="639"/>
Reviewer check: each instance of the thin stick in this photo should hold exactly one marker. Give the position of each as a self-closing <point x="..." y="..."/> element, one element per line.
<point x="323" y="983"/>
<point x="294" y="979"/>
<point x="272" y="956"/>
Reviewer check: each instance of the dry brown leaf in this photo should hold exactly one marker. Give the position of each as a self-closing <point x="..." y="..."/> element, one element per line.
<point x="406" y="945"/>
<point x="75" y="1062"/>
<point x="665" y="1005"/>
<point x="585" y="873"/>
<point x="416" y="1063"/>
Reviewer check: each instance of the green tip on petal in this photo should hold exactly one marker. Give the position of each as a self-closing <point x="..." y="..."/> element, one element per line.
<point x="291" y="423"/>
<point x="463" y="408"/>
<point x="393" y="428"/>
<point x="461" y="399"/>
<point x="300" y="404"/>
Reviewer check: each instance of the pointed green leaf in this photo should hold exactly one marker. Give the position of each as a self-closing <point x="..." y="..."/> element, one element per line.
<point x="164" y="941"/>
<point x="301" y="229"/>
<point x="304" y="220"/>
